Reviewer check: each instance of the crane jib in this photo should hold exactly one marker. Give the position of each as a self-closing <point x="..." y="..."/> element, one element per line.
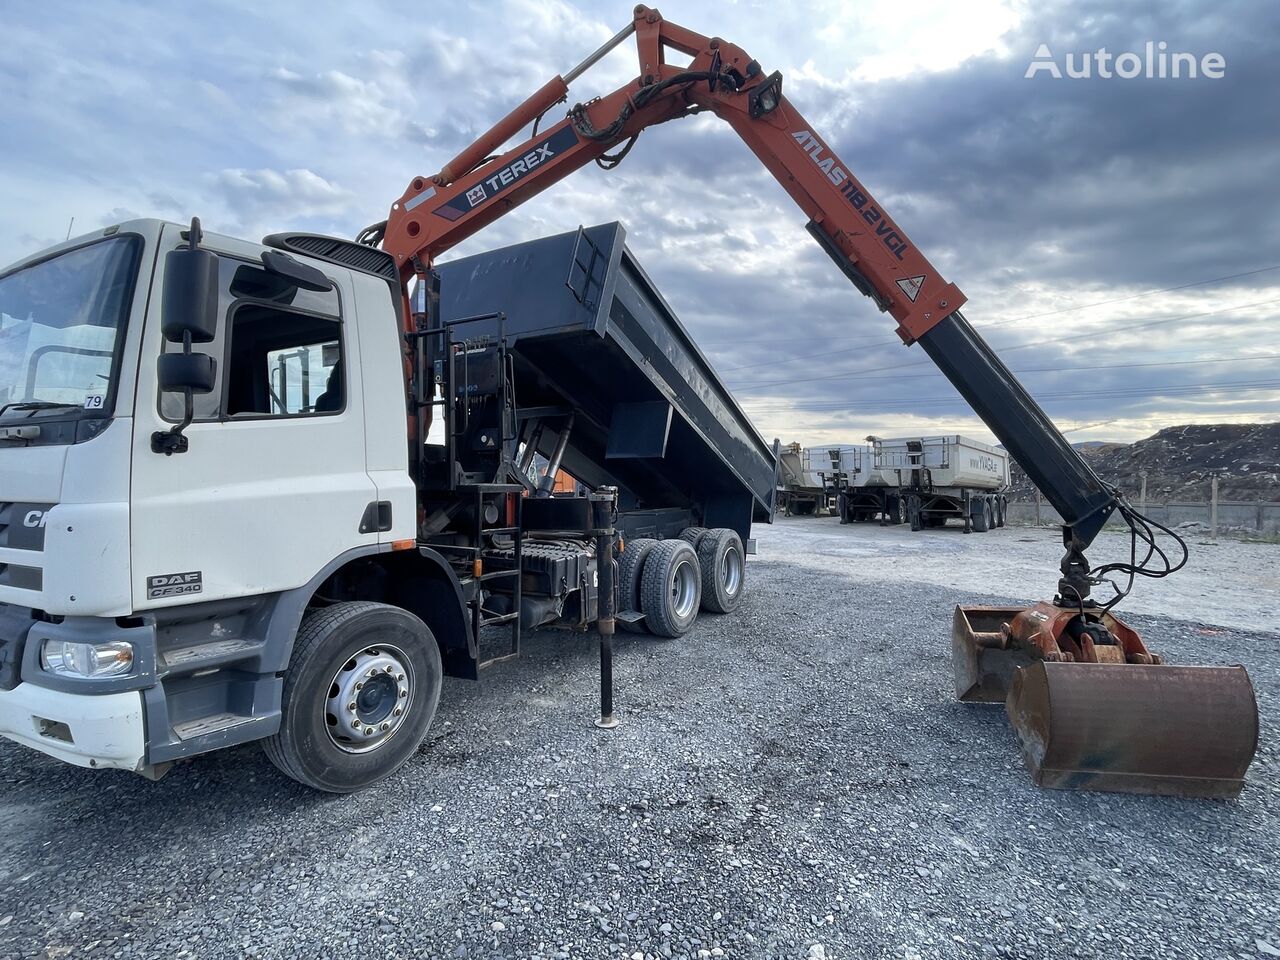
<point x="879" y="221"/>
<point x="492" y="184"/>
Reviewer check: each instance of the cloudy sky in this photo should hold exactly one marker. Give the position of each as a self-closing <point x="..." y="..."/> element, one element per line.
<point x="1119" y="240"/>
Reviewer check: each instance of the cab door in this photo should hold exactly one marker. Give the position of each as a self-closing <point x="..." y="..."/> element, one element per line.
<point x="274" y="483"/>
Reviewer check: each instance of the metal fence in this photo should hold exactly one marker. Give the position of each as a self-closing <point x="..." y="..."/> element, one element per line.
<point x="1256" y="516"/>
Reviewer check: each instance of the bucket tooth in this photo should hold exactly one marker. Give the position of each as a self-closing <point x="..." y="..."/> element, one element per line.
<point x="981" y="655"/>
<point x="1132" y="728"/>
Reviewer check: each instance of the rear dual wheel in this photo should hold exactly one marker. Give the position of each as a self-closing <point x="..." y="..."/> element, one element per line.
<point x="670" y="588"/>
<point x="724" y="570"/>
<point x="630" y="569"/>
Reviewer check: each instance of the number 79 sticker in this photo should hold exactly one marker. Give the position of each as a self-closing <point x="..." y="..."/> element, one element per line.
<point x="94" y="401"/>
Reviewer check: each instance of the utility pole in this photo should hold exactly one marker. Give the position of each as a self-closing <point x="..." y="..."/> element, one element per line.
<point x="1142" y="497"/>
<point x="1037" y="507"/>
<point x="69" y="226"/>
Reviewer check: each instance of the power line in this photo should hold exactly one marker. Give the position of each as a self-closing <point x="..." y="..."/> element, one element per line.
<point x="1033" y="316"/>
<point x="853" y="374"/>
<point x="1136" y="296"/>
<point x="1146" y="392"/>
<point x="1091" y="367"/>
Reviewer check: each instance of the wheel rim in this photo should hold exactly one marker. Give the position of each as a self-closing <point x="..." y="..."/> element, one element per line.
<point x="731" y="573"/>
<point x="369" y="698"/>
<point x="684" y="588"/>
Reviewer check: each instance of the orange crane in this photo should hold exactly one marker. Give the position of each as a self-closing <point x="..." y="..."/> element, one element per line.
<point x="1092" y="706"/>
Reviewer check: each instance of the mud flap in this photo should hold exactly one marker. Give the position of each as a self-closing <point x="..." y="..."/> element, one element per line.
<point x="1129" y="728"/>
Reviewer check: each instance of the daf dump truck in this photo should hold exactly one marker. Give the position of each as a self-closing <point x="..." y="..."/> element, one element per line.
<point x="194" y="553"/>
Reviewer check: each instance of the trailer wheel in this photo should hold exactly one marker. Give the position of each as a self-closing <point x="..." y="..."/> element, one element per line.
<point x="360" y="692"/>
<point x="693" y="535"/>
<point x="670" y="588"/>
<point x="897" y="510"/>
<point x="630" y="564"/>
<point x="1001" y="504"/>
<point x="980" y="511"/>
<point x="724" y="570"/>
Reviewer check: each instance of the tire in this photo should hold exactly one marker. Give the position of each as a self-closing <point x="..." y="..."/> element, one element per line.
<point x="670" y="588"/>
<point x="898" y="512"/>
<point x="913" y="514"/>
<point x="1000" y="508"/>
<point x="630" y="563"/>
<point x="314" y="745"/>
<point x="981" y="516"/>
<point x="724" y="570"/>
<point x="692" y="535"/>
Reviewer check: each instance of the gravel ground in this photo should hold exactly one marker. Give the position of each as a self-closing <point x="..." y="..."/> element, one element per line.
<point x="791" y="781"/>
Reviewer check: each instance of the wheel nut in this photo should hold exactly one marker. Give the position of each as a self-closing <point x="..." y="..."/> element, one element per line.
<point x="399" y="678"/>
<point x="399" y="710"/>
<point x="404" y="693"/>
<point x="368" y="731"/>
<point x="360" y="685"/>
<point x="386" y="726"/>
<point x="352" y="706"/>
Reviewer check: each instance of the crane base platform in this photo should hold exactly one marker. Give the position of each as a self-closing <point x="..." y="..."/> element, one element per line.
<point x="1145" y="727"/>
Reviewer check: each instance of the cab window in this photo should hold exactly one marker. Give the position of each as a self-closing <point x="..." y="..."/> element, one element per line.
<point x="279" y="350"/>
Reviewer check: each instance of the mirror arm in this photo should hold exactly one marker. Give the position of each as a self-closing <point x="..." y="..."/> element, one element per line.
<point x="173" y="440"/>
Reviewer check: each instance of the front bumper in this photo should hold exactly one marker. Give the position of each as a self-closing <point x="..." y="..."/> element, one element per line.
<point x="106" y="730"/>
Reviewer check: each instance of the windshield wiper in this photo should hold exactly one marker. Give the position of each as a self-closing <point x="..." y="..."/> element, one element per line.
<point x="35" y="405"/>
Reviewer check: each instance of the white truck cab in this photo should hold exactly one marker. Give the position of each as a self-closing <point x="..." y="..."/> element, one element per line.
<point x="149" y="599"/>
<point x="224" y="516"/>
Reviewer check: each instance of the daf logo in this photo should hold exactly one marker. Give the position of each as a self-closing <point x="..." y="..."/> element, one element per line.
<point x="36" y="518"/>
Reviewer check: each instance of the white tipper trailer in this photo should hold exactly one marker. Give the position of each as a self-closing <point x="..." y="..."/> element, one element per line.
<point x="945" y="477"/>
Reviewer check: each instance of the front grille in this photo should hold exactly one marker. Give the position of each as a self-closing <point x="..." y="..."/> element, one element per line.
<point x="22" y="524"/>
<point x="21" y="576"/>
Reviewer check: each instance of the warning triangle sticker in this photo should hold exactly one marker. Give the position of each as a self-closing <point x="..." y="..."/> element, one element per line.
<point x="911" y="287"/>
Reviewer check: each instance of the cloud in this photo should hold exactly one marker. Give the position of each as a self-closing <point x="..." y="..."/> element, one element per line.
<point x="298" y="191"/>
<point x="1040" y="198"/>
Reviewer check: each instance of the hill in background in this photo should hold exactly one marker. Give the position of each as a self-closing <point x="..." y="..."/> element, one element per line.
<point x="1179" y="462"/>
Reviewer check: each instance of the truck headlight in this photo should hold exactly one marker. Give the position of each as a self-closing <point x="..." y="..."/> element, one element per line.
<point x="90" y="660"/>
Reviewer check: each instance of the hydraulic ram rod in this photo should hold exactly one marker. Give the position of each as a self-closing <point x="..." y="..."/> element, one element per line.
<point x="1056" y="468"/>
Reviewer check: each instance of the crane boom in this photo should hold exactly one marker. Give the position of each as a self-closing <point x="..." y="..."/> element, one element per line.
<point x="1075" y="731"/>
<point x="478" y="186"/>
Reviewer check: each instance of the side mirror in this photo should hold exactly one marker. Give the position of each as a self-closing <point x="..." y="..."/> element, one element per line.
<point x="190" y="296"/>
<point x="178" y="372"/>
<point x="189" y="304"/>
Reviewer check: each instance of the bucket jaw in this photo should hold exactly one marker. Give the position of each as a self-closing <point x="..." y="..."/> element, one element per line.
<point x="1095" y="710"/>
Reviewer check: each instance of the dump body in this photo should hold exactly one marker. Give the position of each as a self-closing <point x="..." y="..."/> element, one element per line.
<point x="589" y="332"/>
<point x="950" y="461"/>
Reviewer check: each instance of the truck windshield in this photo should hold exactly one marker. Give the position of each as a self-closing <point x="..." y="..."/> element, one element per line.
<point x="60" y="323"/>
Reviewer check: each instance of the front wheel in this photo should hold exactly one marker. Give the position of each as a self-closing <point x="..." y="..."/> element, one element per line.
<point x="361" y="690"/>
